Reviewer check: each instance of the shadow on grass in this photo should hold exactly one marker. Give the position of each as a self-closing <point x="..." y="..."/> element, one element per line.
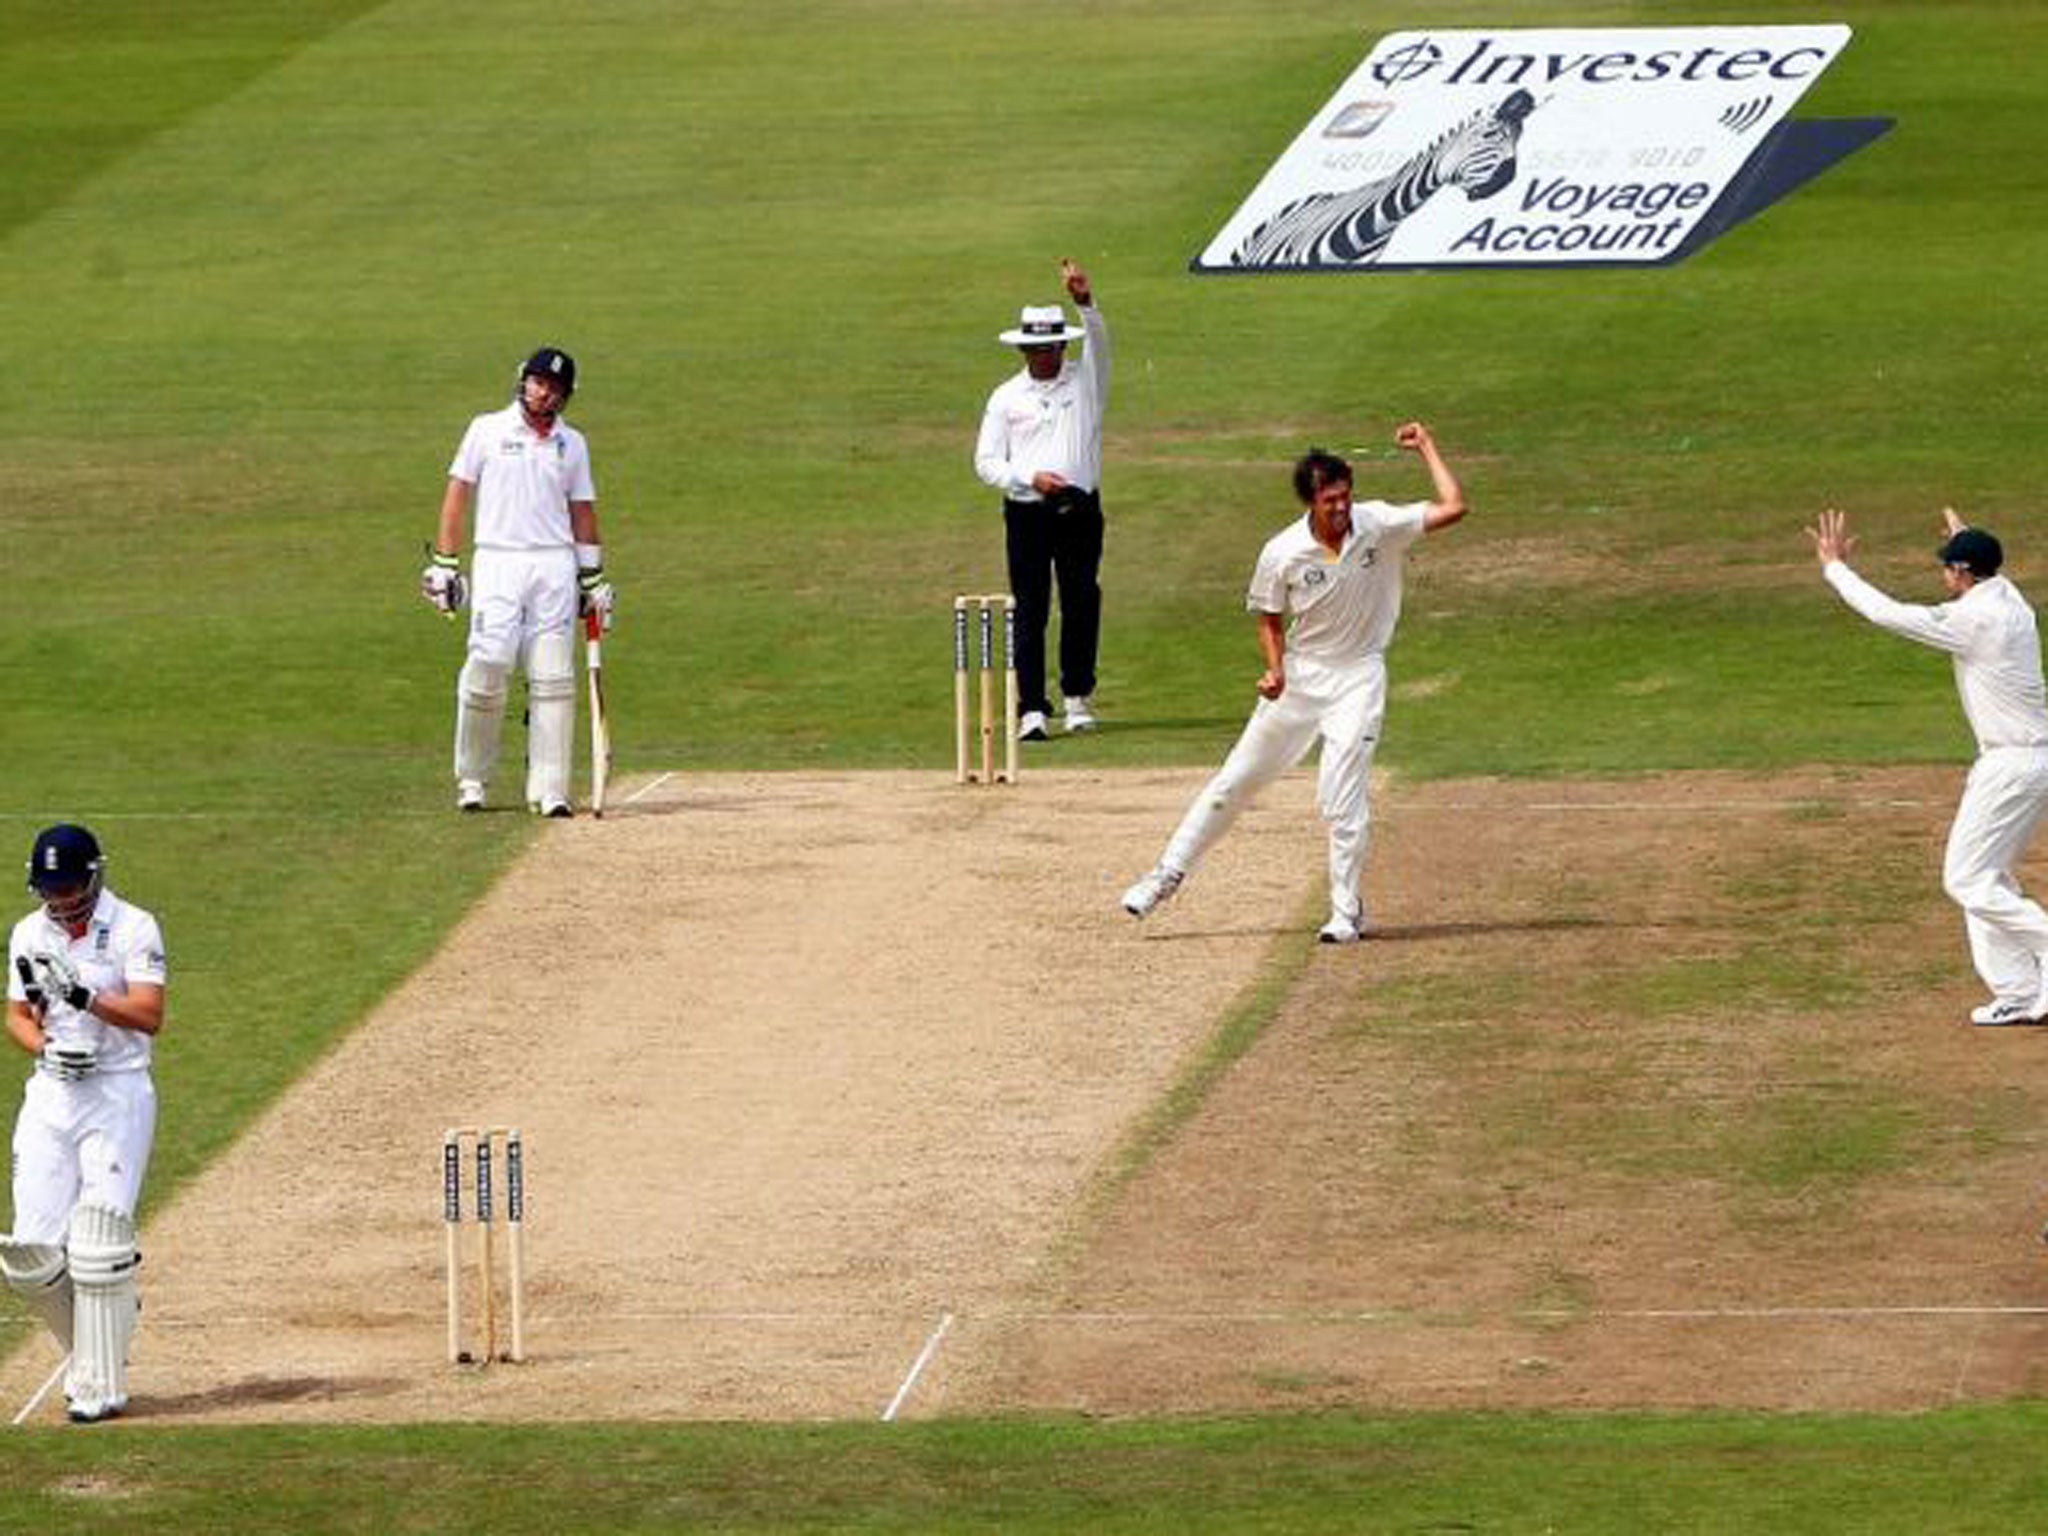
<point x="1252" y="931"/>
<point x="260" y="1390"/>
<point x="1422" y="933"/>
<point x="1409" y="933"/>
<point x="1156" y="729"/>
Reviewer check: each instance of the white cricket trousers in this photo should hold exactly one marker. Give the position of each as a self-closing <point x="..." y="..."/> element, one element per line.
<point x="522" y="613"/>
<point x="1342" y="706"/>
<point x="2003" y="802"/>
<point x="517" y="595"/>
<point x="75" y="1142"/>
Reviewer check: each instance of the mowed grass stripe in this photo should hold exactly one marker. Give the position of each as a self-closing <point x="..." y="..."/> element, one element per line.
<point x="88" y="85"/>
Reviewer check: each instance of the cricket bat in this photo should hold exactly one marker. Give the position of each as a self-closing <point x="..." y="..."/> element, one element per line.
<point x="600" y="726"/>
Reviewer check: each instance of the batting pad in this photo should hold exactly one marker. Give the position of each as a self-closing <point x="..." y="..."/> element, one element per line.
<point x="103" y="1264"/>
<point x="551" y="707"/>
<point x="479" y="717"/>
<point x="36" y="1273"/>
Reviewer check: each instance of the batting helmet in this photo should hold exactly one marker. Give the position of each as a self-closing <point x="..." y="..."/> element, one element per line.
<point x="551" y="363"/>
<point x="66" y="869"/>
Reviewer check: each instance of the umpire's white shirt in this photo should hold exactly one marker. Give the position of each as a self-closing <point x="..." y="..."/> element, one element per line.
<point x="121" y="944"/>
<point x="1033" y="425"/>
<point x="524" y="482"/>
<point x="1991" y="633"/>
<point x="1343" y="606"/>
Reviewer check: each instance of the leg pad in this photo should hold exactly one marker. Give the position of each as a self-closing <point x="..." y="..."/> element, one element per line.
<point x="36" y="1272"/>
<point x="104" y="1259"/>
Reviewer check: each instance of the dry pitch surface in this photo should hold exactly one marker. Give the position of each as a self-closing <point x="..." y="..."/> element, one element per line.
<point x="802" y="1064"/>
<point x="817" y="1074"/>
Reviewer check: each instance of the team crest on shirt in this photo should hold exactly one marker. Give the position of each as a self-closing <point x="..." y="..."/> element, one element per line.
<point x="1314" y="576"/>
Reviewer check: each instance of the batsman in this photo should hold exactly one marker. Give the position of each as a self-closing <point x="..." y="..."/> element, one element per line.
<point x="85" y="997"/>
<point x="538" y="564"/>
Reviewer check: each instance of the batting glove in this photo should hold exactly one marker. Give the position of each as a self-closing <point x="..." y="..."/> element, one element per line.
<point x="441" y="583"/>
<point x="58" y="978"/>
<point x="594" y="595"/>
<point x="36" y="998"/>
<point x="68" y="1063"/>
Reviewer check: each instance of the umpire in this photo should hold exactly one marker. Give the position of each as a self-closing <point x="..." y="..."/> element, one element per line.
<point x="1041" y="446"/>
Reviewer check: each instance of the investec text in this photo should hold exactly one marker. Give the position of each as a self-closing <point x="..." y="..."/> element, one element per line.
<point x="1482" y="65"/>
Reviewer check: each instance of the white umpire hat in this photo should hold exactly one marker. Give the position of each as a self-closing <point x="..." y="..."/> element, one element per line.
<point x="1041" y="325"/>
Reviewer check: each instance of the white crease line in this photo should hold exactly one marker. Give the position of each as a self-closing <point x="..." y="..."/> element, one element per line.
<point x="1395" y="805"/>
<point x="43" y="1391"/>
<point x="647" y="788"/>
<point x="660" y="1315"/>
<point x="924" y="1358"/>
<point x="753" y="1318"/>
<point x="1561" y="1314"/>
<point x="1683" y="1314"/>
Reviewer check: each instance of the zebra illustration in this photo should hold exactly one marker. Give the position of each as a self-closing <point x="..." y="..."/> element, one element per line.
<point x="1352" y="228"/>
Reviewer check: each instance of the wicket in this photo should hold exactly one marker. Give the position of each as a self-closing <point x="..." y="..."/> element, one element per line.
<point x="452" y="1144"/>
<point x="985" y="603"/>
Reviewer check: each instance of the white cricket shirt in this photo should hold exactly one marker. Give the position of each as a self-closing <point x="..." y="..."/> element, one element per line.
<point x="524" y="482"/>
<point x="1056" y="424"/>
<point x="121" y="944"/>
<point x="1990" y="631"/>
<point x="1341" y="606"/>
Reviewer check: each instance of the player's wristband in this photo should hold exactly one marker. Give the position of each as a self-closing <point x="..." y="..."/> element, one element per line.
<point x="589" y="565"/>
<point x="447" y="562"/>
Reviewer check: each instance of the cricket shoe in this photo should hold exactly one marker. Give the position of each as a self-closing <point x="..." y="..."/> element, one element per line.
<point x="1079" y="716"/>
<point x="1031" y="725"/>
<point x="469" y="795"/>
<point x="1342" y="928"/>
<point x="1996" y="1014"/>
<point x="89" y="1410"/>
<point x="1152" y="890"/>
<point x="555" y="809"/>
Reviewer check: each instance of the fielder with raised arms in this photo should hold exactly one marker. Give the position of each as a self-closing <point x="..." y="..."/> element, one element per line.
<point x="1325" y="596"/>
<point x="85" y="997"/>
<point x="538" y="564"/>
<point x="1987" y="627"/>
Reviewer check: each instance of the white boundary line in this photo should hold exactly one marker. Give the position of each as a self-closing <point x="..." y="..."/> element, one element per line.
<point x="917" y="1367"/>
<point x="43" y="1391"/>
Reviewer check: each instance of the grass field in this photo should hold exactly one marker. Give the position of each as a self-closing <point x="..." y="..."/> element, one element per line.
<point x="269" y="259"/>
<point x="1968" y="1470"/>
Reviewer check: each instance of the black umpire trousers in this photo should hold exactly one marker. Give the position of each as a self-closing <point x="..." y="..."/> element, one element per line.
<point x="1059" y="536"/>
